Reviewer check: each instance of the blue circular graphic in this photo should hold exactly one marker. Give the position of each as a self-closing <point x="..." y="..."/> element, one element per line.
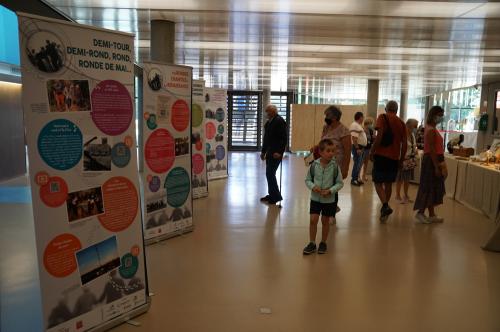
<point x="178" y="186"/>
<point x="129" y="266"/>
<point x="120" y="155"/>
<point x="60" y="144"/>
<point x="219" y="114"/>
<point x="154" y="185"/>
<point x="151" y="122"/>
<point x="220" y="152"/>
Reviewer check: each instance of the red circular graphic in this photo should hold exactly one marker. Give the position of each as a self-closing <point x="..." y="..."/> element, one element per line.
<point x="198" y="145"/>
<point x="198" y="163"/>
<point x="54" y="192"/>
<point x="112" y="109"/>
<point x="210" y="128"/>
<point x="135" y="251"/>
<point x="160" y="151"/>
<point x="120" y="204"/>
<point x="42" y="178"/>
<point x="59" y="255"/>
<point x="180" y="115"/>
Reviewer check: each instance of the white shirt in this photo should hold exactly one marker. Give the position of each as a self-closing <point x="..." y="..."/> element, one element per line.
<point x="358" y="132"/>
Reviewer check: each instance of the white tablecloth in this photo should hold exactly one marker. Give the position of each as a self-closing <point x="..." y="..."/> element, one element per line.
<point x="451" y="181"/>
<point x="474" y="185"/>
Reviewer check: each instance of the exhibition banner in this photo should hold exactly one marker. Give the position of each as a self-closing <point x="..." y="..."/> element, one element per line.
<point x="78" y="87"/>
<point x="167" y="150"/>
<point x="199" y="158"/>
<point x="216" y="132"/>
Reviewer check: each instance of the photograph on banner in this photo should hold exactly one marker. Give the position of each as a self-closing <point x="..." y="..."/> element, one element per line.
<point x="84" y="203"/>
<point x="69" y="95"/>
<point x="78" y="88"/>
<point x="96" y="154"/>
<point x="199" y="181"/>
<point x="166" y="149"/>
<point x="216" y="132"/>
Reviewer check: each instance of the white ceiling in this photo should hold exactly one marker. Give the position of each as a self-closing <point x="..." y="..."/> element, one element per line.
<point x="318" y="47"/>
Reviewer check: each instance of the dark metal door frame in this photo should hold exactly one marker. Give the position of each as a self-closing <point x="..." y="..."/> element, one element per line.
<point x="230" y="95"/>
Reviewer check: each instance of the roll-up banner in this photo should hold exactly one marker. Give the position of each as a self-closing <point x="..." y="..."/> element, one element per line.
<point x="216" y="132"/>
<point x="166" y="150"/>
<point x="78" y="88"/>
<point x="198" y="141"/>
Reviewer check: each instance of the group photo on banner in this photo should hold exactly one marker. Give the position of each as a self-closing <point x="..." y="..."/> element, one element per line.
<point x="216" y="132"/>
<point x="78" y="92"/>
<point x="198" y="141"/>
<point x="166" y="150"/>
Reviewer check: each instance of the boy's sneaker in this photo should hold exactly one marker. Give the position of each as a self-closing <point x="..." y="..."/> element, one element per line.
<point x="436" y="219"/>
<point x="310" y="248"/>
<point x="322" y="248"/>
<point x="355" y="183"/>
<point x="422" y="219"/>
<point x="385" y="212"/>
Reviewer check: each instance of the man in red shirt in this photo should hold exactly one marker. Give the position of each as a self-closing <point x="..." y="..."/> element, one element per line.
<point x="387" y="153"/>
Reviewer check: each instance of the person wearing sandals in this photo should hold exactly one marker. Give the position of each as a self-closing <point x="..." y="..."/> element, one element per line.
<point x="406" y="172"/>
<point x="324" y="179"/>
<point x="433" y="173"/>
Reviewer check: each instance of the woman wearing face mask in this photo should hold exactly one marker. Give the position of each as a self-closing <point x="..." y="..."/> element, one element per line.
<point x="368" y="126"/>
<point x="341" y="137"/>
<point x="433" y="172"/>
<point x="405" y="174"/>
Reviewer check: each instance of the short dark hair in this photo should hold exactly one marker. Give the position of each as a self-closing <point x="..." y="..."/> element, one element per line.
<point x="358" y="115"/>
<point x="432" y="113"/>
<point x="391" y="106"/>
<point x="324" y="143"/>
<point x="333" y="111"/>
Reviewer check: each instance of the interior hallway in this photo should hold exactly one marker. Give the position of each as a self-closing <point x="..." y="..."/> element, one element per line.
<point x="244" y="255"/>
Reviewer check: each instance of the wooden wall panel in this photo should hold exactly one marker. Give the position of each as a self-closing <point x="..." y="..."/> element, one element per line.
<point x="303" y="132"/>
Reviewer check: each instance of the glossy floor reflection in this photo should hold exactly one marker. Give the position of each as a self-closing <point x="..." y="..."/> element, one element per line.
<point x="244" y="256"/>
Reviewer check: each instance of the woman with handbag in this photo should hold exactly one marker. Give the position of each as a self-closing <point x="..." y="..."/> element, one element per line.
<point x="406" y="173"/>
<point x="433" y="172"/>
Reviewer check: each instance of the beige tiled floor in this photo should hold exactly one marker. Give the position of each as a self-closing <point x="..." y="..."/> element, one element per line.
<point x="244" y="256"/>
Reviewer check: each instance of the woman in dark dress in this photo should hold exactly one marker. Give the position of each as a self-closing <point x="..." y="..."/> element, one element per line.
<point x="433" y="173"/>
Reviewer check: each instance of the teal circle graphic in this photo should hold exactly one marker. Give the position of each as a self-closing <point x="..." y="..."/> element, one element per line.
<point x="220" y="129"/>
<point x="208" y="147"/>
<point x="60" y="144"/>
<point x="219" y="114"/>
<point x="177" y="185"/>
<point x="120" y="155"/>
<point x="129" y="266"/>
<point x="152" y="122"/>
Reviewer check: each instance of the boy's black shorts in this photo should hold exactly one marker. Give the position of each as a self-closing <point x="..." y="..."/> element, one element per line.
<point x="325" y="209"/>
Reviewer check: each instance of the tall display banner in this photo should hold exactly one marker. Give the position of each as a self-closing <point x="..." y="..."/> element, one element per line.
<point x="216" y="132"/>
<point x="167" y="150"/>
<point x="78" y="88"/>
<point x="199" y="162"/>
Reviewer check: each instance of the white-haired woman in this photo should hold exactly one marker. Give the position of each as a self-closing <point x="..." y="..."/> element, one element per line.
<point x="406" y="173"/>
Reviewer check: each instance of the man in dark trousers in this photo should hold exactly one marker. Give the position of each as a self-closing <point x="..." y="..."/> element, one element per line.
<point x="275" y="141"/>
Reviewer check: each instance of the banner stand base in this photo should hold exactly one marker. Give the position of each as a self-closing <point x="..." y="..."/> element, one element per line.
<point x="219" y="177"/>
<point x="169" y="236"/>
<point x="200" y="196"/>
<point x="124" y="318"/>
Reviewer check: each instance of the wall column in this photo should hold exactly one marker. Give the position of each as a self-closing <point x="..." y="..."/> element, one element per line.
<point x="372" y="98"/>
<point x="162" y="41"/>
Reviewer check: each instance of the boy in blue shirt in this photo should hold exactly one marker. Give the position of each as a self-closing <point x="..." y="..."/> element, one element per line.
<point x="324" y="179"/>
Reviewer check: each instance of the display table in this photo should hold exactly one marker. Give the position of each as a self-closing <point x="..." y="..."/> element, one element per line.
<point x="474" y="185"/>
<point x="450" y="184"/>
